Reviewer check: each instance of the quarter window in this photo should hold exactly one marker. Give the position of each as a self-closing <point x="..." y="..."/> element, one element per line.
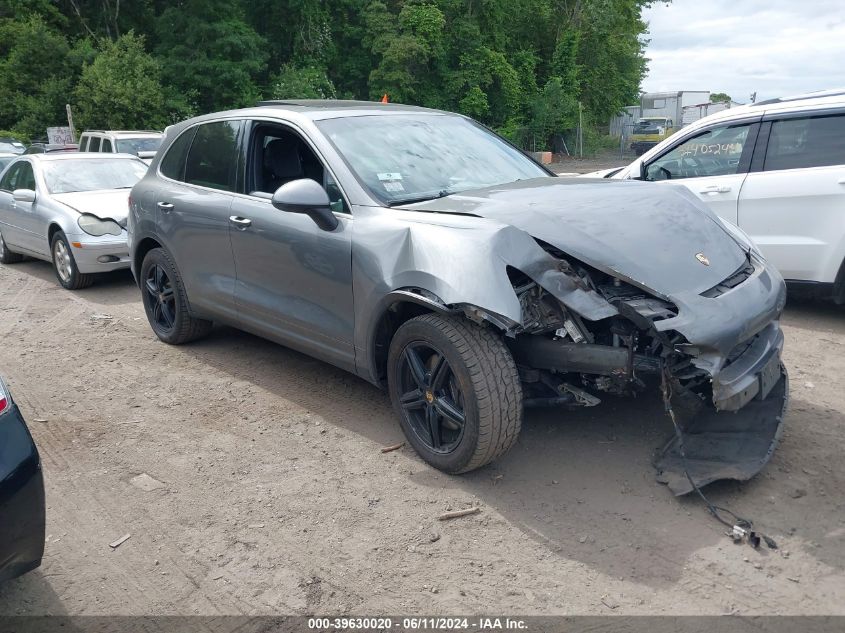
<point x="806" y="142"/>
<point x="94" y="144"/>
<point x="213" y="157"/>
<point x="716" y="152"/>
<point x="173" y="163"/>
<point x="83" y="145"/>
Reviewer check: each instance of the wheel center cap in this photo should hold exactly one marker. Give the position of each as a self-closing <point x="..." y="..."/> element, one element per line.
<point x="429" y="397"/>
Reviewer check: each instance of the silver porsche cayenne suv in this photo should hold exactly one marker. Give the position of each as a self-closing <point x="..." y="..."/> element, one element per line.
<point x="420" y="251"/>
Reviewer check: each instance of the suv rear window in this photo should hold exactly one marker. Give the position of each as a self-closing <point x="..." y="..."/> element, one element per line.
<point x="806" y="142"/>
<point x="213" y="157"/>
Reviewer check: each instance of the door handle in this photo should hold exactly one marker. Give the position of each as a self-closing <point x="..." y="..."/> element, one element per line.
<point x="165" y="207"/>
<point x="240" y="222"/>
<point x="716" y="189"/>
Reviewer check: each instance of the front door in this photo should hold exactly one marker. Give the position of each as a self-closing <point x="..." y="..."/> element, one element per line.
<point x="24" y="227"/>
<point x="712" y="164"/>
<point x="294" y="279"/>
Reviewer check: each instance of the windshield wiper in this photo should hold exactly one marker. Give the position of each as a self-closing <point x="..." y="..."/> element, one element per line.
<point x="414" y="199"/>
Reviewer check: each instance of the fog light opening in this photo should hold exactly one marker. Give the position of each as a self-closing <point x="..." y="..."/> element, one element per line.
<point x="108" y="259"/>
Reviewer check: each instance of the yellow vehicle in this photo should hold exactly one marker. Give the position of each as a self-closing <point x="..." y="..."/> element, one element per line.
<point x="649" y="131"/>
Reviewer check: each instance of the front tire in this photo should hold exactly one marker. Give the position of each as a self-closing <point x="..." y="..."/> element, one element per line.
<point x="7" y="256"/>
<point x="64" y="264"/>
<point x="456" y="390"/>
<point x="165" y="301"/>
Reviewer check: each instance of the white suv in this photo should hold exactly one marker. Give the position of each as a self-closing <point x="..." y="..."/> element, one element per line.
<point x="774" y="168"/>
<point x="142" y="143"/>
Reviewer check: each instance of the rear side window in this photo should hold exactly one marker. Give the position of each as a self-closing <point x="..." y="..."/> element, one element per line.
<point x="106" y="146"/>
<point x="213" y="157"/>
<point x="83" y="144"/>
<point x="173" y="163"/>
<point x="94" y="144"/>
<point x="806" y="142"/>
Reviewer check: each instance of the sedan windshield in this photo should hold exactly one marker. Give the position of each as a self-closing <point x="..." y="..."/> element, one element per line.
<point x="135" y="145"/>
<point x="410" y="158"/>
<point x="68" y="176"/>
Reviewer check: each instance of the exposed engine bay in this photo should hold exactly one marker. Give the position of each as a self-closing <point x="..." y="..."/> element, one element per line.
<point x="566" y="360"/>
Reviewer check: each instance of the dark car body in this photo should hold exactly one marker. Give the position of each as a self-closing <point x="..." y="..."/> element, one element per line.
<point x="22" y="510"/>
<point x="593" y="286"/>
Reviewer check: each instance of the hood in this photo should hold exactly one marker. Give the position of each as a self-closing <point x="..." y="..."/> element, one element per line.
<point x="642" y="232"/>
<point x="108" y="204"/>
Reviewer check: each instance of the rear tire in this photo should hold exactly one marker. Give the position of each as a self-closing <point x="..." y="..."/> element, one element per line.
<point x="165" y="301"/>
<point x="64" y="264"/>
<point x="464" y="372"/>
<point x="7" y="256"/>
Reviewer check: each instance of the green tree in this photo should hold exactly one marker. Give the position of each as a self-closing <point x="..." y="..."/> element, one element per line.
<point x="719" y="97"/>
<point x="210" y="54"/>
<point x="38" y="68"/>
<point x="121" y="88"/>
<point x="302" y="83"/>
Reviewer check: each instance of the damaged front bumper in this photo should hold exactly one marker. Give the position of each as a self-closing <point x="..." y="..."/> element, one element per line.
<point x="726" y="445"/>
<point x="717" y="355"/>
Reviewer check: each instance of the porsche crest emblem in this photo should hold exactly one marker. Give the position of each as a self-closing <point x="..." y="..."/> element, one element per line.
<point x="702" y="258"/>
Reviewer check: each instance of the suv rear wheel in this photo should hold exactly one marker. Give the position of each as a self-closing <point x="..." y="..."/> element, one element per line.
<point x="456" y="389"/>
<point x="165" y="301"/>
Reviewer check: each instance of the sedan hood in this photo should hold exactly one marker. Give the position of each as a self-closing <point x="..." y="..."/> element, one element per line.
<point x="660" y="238"/>
<point x="110" y="204"/>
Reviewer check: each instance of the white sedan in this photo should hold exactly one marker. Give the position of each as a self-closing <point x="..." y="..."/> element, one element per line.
<point x="69" y="209"/>
<point x="776" y="170"/>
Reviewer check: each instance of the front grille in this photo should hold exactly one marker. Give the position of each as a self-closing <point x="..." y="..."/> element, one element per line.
<point x="744" y="272"/>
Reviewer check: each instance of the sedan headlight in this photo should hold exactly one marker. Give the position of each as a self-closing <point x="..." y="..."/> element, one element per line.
<point x="93" y="225"/>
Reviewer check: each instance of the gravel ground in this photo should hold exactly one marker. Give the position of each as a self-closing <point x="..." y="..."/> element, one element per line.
<point x="251" y="480"/>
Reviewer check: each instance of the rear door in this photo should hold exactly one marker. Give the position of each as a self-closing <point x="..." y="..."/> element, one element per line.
<point x="793" y="201"/>
<point x="192" y="213"/>
<point x="712" y="164"/>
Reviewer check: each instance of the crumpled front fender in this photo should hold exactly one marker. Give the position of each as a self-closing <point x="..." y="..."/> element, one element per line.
<point x="460" y="260"/>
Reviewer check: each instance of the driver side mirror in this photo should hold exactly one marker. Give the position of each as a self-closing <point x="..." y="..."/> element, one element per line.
<point x="23" y="195"/>
<point x="306" y="196"/>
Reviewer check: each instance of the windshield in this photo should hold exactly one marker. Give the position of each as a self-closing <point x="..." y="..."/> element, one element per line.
<point x="406" y="158"/>
<point x="68" y="176"/>
<point x="135" y="145"/>
<point x="650" y="123"/>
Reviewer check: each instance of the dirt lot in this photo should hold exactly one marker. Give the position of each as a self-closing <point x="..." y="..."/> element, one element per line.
<point x="269" y="493"/>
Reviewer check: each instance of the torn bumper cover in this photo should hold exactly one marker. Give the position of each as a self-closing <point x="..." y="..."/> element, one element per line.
<point x="725" y="445"/>
<point x="737" y="437"/>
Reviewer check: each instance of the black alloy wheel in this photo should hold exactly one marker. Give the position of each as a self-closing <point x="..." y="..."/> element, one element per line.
<point x="431" y="397"/>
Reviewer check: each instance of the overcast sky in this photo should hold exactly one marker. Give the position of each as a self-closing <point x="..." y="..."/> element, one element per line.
<point x="776" y="47"/>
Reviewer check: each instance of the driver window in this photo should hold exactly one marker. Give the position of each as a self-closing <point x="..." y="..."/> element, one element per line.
<point x="280" y="156"/>
<point x="715" y="152"/>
